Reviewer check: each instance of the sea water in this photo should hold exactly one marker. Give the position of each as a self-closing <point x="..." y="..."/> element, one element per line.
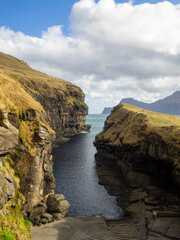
<point x="76" y="175"/>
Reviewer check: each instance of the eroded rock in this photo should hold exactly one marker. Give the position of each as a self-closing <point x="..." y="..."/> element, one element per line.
<point x="143" y="149"/>
<point x="57" y="204"/>
<point x="9" y="138"/>
<point x="36" y="106"/>
<point x="4" y="122"/>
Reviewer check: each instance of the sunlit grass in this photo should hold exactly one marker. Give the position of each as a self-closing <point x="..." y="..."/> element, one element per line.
<point x="14" y="98"/>
<point x="35" y="81"/>
<point x="155" y="118"/>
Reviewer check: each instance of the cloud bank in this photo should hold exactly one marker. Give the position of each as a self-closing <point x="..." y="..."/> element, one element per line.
<point x="114" y="50"/>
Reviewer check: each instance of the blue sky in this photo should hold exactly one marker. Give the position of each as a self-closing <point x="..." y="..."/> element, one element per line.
<point x="112" y="51"/>
<point x="33" y="16"/>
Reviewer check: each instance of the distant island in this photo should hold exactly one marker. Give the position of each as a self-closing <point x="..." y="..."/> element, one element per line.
<point x="169" y="105"/>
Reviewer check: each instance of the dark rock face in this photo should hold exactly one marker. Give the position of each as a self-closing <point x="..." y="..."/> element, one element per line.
<point x="142" y="155"/>
<point x="65" y="111"/>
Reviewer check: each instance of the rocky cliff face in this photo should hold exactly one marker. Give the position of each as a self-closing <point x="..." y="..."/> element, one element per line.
<point x="143" y="147"/>
<point x="34" y="108"/>
<point x="63" y="102"/>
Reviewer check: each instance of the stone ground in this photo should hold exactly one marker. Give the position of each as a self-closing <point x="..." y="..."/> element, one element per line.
<point x="96" y="228"/>
<point x="142" y="226"/>
<point x="70" y="228"/>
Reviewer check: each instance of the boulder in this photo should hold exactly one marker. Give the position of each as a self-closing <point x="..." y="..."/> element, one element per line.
<point x="56" y="203"/>
<point x="36" y="212"/>
<point x="46" y="218"/>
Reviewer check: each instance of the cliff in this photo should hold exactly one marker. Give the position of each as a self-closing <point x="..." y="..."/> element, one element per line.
<point x="63" y="101"/>
<point x="34" y="108"/>
<point x="143" y="147"/>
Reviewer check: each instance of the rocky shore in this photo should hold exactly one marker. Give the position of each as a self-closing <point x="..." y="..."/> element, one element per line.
<point x="138" y="161"/>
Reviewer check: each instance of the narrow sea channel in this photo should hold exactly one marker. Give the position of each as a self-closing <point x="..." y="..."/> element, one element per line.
<point x="76" y="176"/>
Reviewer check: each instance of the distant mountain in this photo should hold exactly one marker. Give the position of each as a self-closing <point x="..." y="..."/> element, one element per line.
<point x="136" y="103"/>
<point x="107" y="110"/>
<point x="169" y="105"/>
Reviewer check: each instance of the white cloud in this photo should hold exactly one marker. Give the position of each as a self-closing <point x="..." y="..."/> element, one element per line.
<point x="114" y="51"/>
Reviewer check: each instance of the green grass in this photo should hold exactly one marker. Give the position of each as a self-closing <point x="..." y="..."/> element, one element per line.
<point x="6" y="235"/>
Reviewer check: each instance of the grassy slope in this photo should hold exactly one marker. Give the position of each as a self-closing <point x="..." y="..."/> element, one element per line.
<point x="37" y="82"/>
<point x="128" y="124"/>
<point x="14" y="98"/>
<point x="155" y="118"/>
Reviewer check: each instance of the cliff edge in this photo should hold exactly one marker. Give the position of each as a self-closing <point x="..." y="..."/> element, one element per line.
<point x="143" y="147"/>
<point x="62" y="101"/>
<point x="34" y="109"/>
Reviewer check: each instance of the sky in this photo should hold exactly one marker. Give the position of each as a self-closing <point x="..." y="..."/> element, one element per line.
<point x="111" y="49"/>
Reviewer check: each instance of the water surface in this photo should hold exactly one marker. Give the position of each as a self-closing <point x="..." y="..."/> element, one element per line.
<point x="76" y="176"/>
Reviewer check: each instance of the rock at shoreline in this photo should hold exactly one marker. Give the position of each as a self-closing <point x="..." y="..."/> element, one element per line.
<point x="34" y="108"/>
<point x="56" y="203"/>
<point x="144" y="145"/>
<point x="143" y="148"/>
<point x="138" y="160"/>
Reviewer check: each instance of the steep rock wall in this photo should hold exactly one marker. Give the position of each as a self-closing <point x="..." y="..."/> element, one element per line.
<point x="143" y="147"/>
<point x="63" y="101"/>
<point x="66" y="112"/>
<point x="142" y="142"/>
<point x="32" y="106"/>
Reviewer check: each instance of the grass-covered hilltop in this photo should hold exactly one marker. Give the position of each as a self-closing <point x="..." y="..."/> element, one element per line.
<point x="62" y="100"/>
<point x="143" y="147"/>
<point x="34" y="109"/>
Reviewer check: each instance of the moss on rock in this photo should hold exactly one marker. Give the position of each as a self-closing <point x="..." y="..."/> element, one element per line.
<point x="12" y="223"/>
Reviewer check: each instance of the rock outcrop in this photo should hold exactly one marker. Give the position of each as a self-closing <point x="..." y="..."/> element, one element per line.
<point x="63" y="101"/>
<point x="143" y="147"/>
<point x="34" y="109"/>
<point x="9" y="135"/>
